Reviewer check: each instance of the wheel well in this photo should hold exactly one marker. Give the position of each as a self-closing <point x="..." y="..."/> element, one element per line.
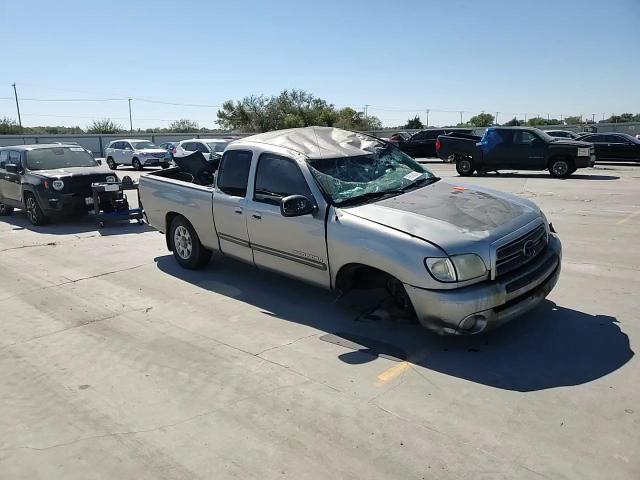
<point x="167" y="231"/>
<point x="568" y="158"/>
<point x="356" y="276"/>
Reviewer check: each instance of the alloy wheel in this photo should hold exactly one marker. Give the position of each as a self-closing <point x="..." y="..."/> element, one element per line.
<point x="182" y="242"/>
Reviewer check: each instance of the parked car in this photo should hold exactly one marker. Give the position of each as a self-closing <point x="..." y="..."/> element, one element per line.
<point x="514" y="148"/>
<point x="211" y="148"/>
<point x="423" y="144"/>
<point x="561" y="134"/>
<point x="619" y="147"/>
<point x="169" y="147"/>
<point x="137" y="153"/>
<point x="399" y="137"/>
<point x="49" y="180"/>
<point x="344" y="210"/>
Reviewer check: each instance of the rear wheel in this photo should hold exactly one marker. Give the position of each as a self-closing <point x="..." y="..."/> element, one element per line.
<point x="561" y="168"/>
<point x="186" y="245"/>
<point x="136" y="164"/>
<point x="111" y="163"/>
<point x="464" y="167"/>
<point x="34" y="212"/>
<point x="5" y="210"/>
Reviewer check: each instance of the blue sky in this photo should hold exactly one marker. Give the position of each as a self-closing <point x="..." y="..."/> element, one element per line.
<point x="546" y="56"/>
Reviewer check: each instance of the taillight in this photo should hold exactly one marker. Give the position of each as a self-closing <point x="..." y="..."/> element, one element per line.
<point x="438" y="144"/>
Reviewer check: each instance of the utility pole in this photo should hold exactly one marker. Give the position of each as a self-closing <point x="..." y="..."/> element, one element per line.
<point x="366" y="108"/>
<point x="15" y="92"/>
<point x="561" y="120"/>
<point x="130" y="119"/>
<point x="603" y="117"/>
<point x="496" y="120"/>
<point x="525" y="117"/>
<point x="461" y="117"/>
<point x="548" y="117"/>
<point x="427" y="118"/>
<point x="593" y="117"/>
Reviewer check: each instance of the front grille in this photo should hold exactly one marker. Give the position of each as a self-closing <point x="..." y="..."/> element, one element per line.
<point x="521" y="251"/>
<point x="81" y="185"/>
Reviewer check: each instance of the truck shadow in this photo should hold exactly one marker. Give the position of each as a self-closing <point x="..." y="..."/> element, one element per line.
<point x="73" y="226"/>
<point x="550" y="347"/>
<point x="575" y="176"/>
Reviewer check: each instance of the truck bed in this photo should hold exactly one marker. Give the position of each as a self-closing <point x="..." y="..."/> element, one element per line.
<point x="457" y="144"/>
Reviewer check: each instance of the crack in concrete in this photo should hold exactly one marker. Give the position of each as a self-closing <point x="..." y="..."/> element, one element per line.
<point x="49" y="244"/>
<point x="276" y="347"/>
<point x="156" y="428"/>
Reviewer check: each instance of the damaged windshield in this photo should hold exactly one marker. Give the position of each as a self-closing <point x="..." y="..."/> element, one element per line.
<point x="356" y="179"/>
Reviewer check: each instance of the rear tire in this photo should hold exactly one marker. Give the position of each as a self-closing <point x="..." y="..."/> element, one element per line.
<point x="5" y="210"/>
<point x="561" y="167"/>
<point x="34" y="212"/>
<point x="186" y="246"/>
<point x="464" y="167"/>
<point x="111" y="163"/>
<point x="136" y="164"/>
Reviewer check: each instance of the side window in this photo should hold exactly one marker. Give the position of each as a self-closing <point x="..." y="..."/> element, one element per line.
<point x="189" y="147"/>
<point x="494" y="137"/>
<point x="201" y="147"/>
<point x="126" y="146"/>
<point x="4" y="158"/>
<point x="278" y="177"/>
<point x="14" y="157"/>
<point x="615" y="139"/>
<point x="523" y="138"/>
<point x="118" y="145"/>
<point x="233" y="174"/>
<point x="432" y="134"/>
<point x="420" y="136"/>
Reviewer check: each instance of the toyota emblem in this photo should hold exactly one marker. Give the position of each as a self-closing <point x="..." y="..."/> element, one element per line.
<point x="529" y="248"/>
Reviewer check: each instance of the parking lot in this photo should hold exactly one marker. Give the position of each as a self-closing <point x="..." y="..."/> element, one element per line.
<point x="115" y="362"/>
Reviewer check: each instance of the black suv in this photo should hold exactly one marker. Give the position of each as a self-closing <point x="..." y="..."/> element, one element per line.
<point x="618" y="147"/>
<point x="423" y="143"/>
<point x="49" y="180"/>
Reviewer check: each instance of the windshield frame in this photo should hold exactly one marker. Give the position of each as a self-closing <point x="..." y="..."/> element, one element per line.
<point x="92" y="162"/>
<point x="212" y="146"/>
<point x="399" y="189"/>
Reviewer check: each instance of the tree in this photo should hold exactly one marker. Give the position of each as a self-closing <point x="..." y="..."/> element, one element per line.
<point x="576" y="120"/>
<point x="105" y="125"/>
<point x="9" y="126"/>
<point x="183" y="126"/>
<point x="414" y="123"/>
<point x="482" y="120"/>
<point x="625" y="117"/>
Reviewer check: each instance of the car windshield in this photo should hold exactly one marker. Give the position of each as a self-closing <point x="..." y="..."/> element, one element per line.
<point x="349" y="180"/>
<point x="217" y="147"/>
<point x="59" y="157"/>
<point x="143" y="145"/>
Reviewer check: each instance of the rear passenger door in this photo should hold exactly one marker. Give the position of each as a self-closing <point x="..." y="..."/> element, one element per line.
<point x="230" y="202"/>
<point x="600" y="144"/>
<point x="620" y="148"/>
<point x="126" y="154"/>
<point x="11" y="188"/>
<point x="496" y="150"/>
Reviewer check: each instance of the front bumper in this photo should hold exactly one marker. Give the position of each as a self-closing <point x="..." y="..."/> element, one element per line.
<point x="53" y="204"/>
<point x="151" y="161"/>
<point x="477" y="308"/>
<point x="584" y="162"/>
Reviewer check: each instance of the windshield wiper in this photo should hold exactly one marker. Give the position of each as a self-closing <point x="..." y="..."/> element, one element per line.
<point x="367" y="197"/>
<point x="423" y="182"/>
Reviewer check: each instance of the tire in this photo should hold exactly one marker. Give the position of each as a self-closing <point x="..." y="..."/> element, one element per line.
<point x="34" y="212"/>
<point x="561" y="167"/>
<point x="136" y="164"/>
<point x="111" y="163"/>
<point x="5" y="210"/>
<point x="464" y="167"/>
<point x="164" y="165"/>
<point x="186" y="246"/>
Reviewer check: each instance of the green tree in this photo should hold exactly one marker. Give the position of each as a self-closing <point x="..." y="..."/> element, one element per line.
<point x="9" y="126"/>
<point x="575" y="120"/>
<point x="482" y="120"/>
<point x="624" y="118"/>
<point x="183" y="126"/>
<point x="414" y="123"/>
<point x="105" y="125"/>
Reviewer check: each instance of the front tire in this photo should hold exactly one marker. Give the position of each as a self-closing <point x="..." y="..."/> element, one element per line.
<point x="34" y="212"/>
<point x="186" y="246"/>
<point x="111" y="163"/>
<point x="136" y="164"/>
<point x="464" y="167"/>
<point x="561" y="168"/>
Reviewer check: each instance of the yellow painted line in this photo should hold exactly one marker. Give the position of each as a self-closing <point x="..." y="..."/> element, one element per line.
<point x="628" y="217"/>
<point x="392" y="373"/>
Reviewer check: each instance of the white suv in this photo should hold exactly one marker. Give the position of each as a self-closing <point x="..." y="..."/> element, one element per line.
<point x="211" y="148"/>
<point x="138" y="153"/>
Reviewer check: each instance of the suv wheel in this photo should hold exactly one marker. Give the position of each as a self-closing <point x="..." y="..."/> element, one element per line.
<point x="5" y="210"/>
<point x="561" y="168"/>
<point x="136" y="164"/>
<point x="112" y="165"/>
<point x="186" y="245"/>
<point x="34" y="212"/>
<point x="464" y="167"/>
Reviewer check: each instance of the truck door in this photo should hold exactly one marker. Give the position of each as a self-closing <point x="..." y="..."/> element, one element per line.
<point x="291" y="245"/>
<point x="496" y="150"/>
<point x="229" y="204"/>
<point x="529" y="151"/>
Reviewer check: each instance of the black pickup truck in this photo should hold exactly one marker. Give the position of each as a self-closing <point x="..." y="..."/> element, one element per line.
<point x="514" y="148"/>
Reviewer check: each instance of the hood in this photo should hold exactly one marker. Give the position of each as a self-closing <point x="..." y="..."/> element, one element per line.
<point x="73" y="172"/>
<point x="567" y="142"/>
<point x="153" y="151"/>
<point x="458" y="218"/>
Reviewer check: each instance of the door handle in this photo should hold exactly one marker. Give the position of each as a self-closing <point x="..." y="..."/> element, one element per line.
<point x="238" y="211"/>
<point x="256" y="215"/>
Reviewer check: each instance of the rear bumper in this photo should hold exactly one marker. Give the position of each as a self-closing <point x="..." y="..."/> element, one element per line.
<point x="477" y="308"/>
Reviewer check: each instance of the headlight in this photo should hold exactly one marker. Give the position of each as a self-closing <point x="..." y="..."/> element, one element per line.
<point x="111" y="179"/>
<point x="441" y="268"/>
<point x="57" y="185"/>
<point x="468" y="266"/>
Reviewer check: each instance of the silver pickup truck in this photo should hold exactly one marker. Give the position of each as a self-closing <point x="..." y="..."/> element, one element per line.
<point x="344" y="210"/>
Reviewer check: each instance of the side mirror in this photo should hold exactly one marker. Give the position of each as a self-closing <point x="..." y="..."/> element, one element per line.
<point x="296" y="206"/>
<point x="11" y="168"/>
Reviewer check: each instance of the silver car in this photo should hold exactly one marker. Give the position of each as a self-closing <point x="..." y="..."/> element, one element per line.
<point x="344" y="211"/>
<point x="137" y="153"/>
